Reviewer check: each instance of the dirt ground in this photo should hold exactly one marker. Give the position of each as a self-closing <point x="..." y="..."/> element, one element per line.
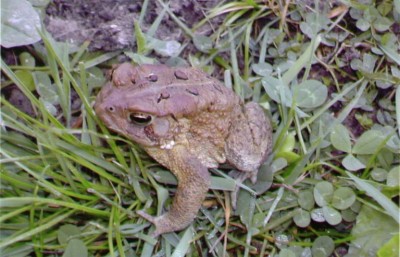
<point x="109" y="24"/>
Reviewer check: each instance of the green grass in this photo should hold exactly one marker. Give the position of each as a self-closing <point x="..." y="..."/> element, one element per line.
<point x="74" y="189"/>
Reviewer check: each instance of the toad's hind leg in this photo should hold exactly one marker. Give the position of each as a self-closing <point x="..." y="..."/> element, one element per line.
<point x="193" y="183"/>
<point x="249" y="143"/>
<point x="250" y="139"/>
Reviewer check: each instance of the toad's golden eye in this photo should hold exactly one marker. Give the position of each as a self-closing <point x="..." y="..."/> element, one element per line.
<point x="140" y="119"/>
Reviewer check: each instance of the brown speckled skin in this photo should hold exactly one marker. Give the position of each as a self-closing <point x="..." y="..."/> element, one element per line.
<point x="197" y="123"/>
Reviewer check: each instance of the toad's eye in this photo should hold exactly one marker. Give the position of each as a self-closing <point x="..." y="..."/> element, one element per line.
<point x="140" y="119"/>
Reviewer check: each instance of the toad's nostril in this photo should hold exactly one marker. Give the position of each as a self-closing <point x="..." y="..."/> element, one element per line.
<point x="111" y="108"/>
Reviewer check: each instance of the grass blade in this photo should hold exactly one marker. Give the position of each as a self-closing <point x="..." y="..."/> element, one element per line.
<point x="380" y="198"/>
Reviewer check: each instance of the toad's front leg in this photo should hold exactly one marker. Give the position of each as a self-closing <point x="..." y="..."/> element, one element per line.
<point x="193" y="183"/>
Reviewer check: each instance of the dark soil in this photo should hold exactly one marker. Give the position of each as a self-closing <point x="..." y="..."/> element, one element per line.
<point x="109" y="24"/>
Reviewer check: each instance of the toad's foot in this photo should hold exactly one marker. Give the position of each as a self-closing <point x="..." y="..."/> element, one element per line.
<point x="240" y="177"/>
<point x="163" y="223"/>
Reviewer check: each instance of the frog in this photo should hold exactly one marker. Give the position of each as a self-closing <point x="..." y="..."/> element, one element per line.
<point x="189" y="122"/>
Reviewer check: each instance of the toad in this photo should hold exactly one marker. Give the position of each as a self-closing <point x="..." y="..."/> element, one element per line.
<point x="188" y="122"/>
